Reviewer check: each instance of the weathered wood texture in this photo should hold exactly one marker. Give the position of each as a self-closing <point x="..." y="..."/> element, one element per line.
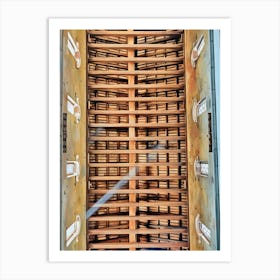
<point x="137" y="135"/>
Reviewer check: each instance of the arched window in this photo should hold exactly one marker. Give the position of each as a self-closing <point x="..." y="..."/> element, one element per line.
<point x="73" y="168"/>
<point x="74" y="108"/>
<point x="199" y="108"/>
<point x="74" y="50"/>
<point x="197" y="49"/>
<point x="200" y="168"/>
<point x="202" y="230"/>
<point x="73" y="231"/>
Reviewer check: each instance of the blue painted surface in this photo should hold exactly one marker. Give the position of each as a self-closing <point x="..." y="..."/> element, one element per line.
<point x="216" y="123"/>
<point x="217" y="82"/>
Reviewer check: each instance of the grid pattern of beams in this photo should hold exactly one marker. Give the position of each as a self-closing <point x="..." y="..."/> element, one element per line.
<point x="137" y="126"/>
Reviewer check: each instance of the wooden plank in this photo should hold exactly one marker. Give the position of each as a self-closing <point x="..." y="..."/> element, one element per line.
<point x="137" y="59"/>
<point x="137" y="218"/>
<point x="140" y="191"/>
<point x="137" y="99"/>
<point x="138" y="138"/>
<point x="172" y="244"/>
<point x="132" y="143"/>
<point x="190" y="149"/>
<point x="140" y="164"/>
<point x="136" y="86"/>
<point x="135" y="46"/>
<point x="136" y="231"/>
<point x="135" y="32"/>
<point x="151" y="178"/>
<point x="131" y="203"/>
<point x="124" y="91"/>
<point x="136" y="112"/>
<point x="119" y="66"/>
<point x="153" y="79"/>
<point x="147" y="66"/>
<point x="92" y="53"/>
<point x="140" y="67"/>
<point x="163" y="39"/>
<point x="139" y="151"/>
<point x="135" y="72"/>
<point x="119" y="125"/>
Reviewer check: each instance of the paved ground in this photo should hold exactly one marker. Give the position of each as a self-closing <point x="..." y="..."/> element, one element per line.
<point x="73" y="194"/>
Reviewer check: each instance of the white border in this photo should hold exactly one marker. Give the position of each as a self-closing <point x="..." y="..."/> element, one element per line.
<point x="224" y="255"/>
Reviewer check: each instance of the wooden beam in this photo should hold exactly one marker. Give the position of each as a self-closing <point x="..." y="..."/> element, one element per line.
<point x="135" y="46"/>
<point x="137" y="218"/>
<point x="119" y="125"/>
<point x="146" y="66"/>
<point x="119" y="66"/>
<point x="140" y="191"/>
<point x="136" y="59"/>
<point x="135" y="32"/>
<point x="136" y="151"/>
<point x="134" y="178"/>
<point x="153" y="78"/>
<point x="136" y="231"/>
<point x="138" y="138"/>
<point x="129" y="87"/>
<point x="124" y="91"/>
<point x="140" y="164"/>
<point x="137" y="99"/>
<point x="92" y="53"/>
<point x="136" y="112"/>
<point x="136" y="86"/>
<point x="190" y="149"/>
<point x="135" y="72"/>
<point x="115" y="245"/>
<point x="132" y="143"/>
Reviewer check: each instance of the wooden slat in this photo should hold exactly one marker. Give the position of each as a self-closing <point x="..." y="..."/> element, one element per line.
<point x="137" y="99"/>
<point x="140" y="191"/>
<point x="107" y="39"/>
<point x="137" y="218"/>
<point x="124" y="81"/>
<point x="93" y="53"/>
<point x="147" y="66"/>
<point x="132" y="143"/>
<point x="135" y="72"/>
<point x="135" y="46"/>
<point x="120" y="66"/>
<point x="142" y="66"/>
<point x="138" y="138"/>
<point x="136" y="112"/>
<point x="149" y="79"/>
<point x="151" y="178"/>
<point x="136" y="59"/>
<point x="136" y="231"/>
<point x="141" y="79"/>
<point x="140" y="164"/>
<point x="138" y="151"/>
<point x="124" y="91"/>
<point x="157" y="125"/>
<point x="135" y="33"/>
<point x="115" y="245"/>
<point x="136" y="86"/>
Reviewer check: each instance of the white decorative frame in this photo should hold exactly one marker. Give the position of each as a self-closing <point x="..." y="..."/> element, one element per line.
<point x="249" y="18"/>
<point x="224" y="25"/>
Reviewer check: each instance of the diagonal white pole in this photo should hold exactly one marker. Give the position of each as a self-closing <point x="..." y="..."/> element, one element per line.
<point x="120" y="184"/>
